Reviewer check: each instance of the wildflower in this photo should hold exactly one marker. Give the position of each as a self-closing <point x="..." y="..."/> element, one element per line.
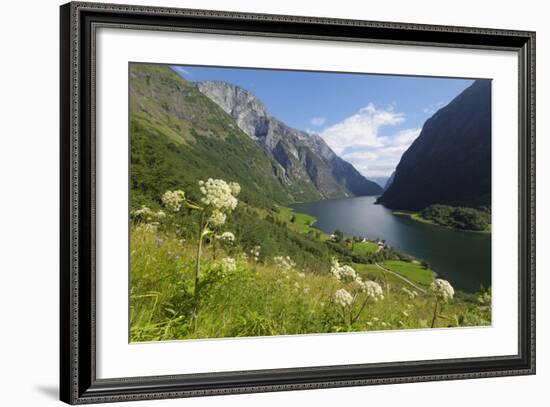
<point x="173" y="200"/>
<point x="411" y="293"/>
<point x="443" y="292"/>
<point x="283" y="263"/>
<point x="229" y="264"/>
<point x="343" y="297"/>
<point x="146" y="227"/>
<point x="226" y="237"/>
<point x="218" y="194"/>
<point x="373" y="290"/>
<point x="235" y="188"/>
<point x="342" y="273"/>
<point x="442" y="289"/>
<point x="143" y="214"/>
<point x="217" y="218"/>
<point x="358" y="285"/>
<point x="255" y="253"/>
<point x="160" y="214"/>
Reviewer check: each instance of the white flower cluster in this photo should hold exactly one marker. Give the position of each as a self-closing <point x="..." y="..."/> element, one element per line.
<point x="229" y="264"/>
<point x="218" y="194"/>
<point x="217" y="218"/>
<point x="226" y="237"/>
<point x="147" y="227"/>
<point x="373" y="290"/>
<point x="173" y="200"/>
<point x="255" y="253"/>
<point x="145" y="214"/>
<point x="343" y="298"/>
<point x="442" y="289"/>
<point x="235" y="188"/>
<point x="411" y="293"/>
<point x="283" y="263"/>
<point x="342" y="273"/>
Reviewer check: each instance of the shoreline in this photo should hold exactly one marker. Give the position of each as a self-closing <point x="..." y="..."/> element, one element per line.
<point x="417" y="218"/>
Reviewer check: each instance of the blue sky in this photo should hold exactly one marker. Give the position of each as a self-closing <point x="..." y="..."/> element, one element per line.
<point x="369" y="120"/>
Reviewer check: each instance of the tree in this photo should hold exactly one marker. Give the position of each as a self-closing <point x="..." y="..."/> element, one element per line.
<point x="339" y="235"/>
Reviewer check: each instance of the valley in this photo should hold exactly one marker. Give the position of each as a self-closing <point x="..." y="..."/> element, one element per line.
<point x="244" y="226"/>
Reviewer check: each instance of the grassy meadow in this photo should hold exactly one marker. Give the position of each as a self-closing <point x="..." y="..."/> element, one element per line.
<point x="258" y="295"/>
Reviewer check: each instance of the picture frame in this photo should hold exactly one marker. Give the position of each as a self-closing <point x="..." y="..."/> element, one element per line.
<point x="79" y="383"/>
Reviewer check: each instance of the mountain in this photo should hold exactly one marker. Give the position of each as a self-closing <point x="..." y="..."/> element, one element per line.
<point x="450" y="161"/>
<point x="389" y="181"/>
<point x="381" y="181"/>
<point x="304" y="157"/>
<point x="179" y="136"/>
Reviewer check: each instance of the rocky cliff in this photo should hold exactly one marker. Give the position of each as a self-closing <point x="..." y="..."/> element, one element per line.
<point x="304" y="158"/>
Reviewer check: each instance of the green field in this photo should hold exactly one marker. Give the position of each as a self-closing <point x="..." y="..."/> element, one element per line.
<point x="365" y="248"/>
<point x="413" y="271"/>
<point x="300" y="222"/>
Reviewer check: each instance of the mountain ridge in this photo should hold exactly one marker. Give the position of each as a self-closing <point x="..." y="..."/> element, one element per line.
<point x="450" y="161"/>
<point x="331" y="175"/>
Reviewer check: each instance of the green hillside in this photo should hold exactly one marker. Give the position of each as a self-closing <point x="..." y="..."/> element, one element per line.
<point x="178" y="136"/>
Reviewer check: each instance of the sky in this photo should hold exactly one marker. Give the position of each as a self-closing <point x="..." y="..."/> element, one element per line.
<point x="369" y="120"/>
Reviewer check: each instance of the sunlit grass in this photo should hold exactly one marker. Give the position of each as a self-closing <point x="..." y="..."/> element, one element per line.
<point x="413" y="271"/>
<point x="260" y="300"/>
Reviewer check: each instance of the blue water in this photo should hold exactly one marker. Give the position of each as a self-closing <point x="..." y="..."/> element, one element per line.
<point x="463" y="258"/>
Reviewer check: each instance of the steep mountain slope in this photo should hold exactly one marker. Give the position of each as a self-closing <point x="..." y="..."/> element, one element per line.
<point x="450" y="161"/>
<point x="179" y="136"/>
<point x="301" y="155"/>
<point x="389" y="181"/>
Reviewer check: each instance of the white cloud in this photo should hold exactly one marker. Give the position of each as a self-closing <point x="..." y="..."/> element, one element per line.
<point x="361" y="129"/>
<point x="318" y="121"/>
<point x="381" y="160"/>
<point x="357" y="140"/>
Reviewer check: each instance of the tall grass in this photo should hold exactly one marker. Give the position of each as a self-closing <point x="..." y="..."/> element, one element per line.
<point x="260" y="299"/>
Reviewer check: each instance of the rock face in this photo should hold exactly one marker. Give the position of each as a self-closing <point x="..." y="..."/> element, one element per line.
<point x="450" y="161"/>
<point x="304" y="158"/>
<point x="389" y="181"/>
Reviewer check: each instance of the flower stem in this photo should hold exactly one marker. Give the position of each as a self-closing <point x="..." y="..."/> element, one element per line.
<point x="197" y="273"/>
<point x="435" y="313"/>
<point x="360" y="310"/>
<point x="214" y="248"/>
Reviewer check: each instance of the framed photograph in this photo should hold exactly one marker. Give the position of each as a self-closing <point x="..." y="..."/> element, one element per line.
<point x="255" y="203"/>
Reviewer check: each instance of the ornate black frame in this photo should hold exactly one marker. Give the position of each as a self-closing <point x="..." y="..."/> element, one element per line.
<point x="78" y="382"/>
